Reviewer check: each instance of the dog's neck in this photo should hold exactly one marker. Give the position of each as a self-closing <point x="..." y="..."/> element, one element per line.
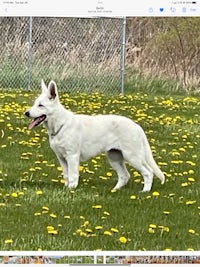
<point x="54" y="133"/>
<point x="56" y="122"/>
<point x="53" y="130"/>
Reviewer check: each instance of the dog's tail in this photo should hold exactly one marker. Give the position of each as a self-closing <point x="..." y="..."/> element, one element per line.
<point x="151" y="162"/>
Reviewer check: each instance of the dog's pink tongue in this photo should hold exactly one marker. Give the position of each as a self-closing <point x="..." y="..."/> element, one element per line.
<point x="33" y="124"/>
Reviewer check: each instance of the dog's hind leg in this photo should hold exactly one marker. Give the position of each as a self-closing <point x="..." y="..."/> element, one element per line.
<point x="147" y="173"/>
<point x="116" y="161"/>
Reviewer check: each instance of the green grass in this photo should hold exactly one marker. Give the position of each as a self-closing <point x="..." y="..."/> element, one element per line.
<point x="33" y="197"/>
<point x="14" y="74"/>
<point x="137" y="81"/>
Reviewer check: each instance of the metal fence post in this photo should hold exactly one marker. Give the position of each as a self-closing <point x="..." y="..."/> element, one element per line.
<point x="123" y="51"/>
<point x="29" y="60"/>
<point x="81" y="54"/>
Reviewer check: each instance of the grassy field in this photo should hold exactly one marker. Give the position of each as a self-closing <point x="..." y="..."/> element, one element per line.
<point x="39" y="213"/>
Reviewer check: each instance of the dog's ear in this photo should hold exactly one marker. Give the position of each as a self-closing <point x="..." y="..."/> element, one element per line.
<point x="43" y="87"/>
<point x="52" y="90"/>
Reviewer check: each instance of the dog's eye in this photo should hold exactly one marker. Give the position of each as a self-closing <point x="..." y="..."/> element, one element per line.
<point x="40" y="105"/>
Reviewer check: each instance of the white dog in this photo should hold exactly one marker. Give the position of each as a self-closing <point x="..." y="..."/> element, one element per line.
<point x="75" y="138"/>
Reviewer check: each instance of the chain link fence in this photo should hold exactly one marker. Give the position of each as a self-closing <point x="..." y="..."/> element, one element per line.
<point x="80" y="54"/>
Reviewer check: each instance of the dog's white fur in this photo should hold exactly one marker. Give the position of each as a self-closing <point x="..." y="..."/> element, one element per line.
<point x="75" y="138"/>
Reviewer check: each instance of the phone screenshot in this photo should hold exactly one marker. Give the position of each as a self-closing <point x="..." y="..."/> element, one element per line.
<point x="99" y="132"/>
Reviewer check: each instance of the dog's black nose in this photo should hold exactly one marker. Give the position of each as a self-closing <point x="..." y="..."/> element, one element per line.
<point x="27" y="113"/>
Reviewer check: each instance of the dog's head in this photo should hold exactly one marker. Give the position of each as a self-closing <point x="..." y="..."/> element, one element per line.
<point x="44" y="105"/>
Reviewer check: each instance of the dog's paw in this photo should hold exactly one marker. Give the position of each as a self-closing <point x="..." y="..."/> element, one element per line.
<point x="66" y="183"/>
<point x="120" y="184"/>
<point x="72" y="185"/>
<point x="145" y="190"/>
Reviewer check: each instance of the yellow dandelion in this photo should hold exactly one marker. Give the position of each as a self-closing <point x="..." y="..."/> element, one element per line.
<point x="53" y="232"/>
<point x="103" y="177"/>
<point x="3" y="146"/>
<point x="166" y="212"/>
<point x="39" y="192"/>
<point x="55" y="180"/>
<point x="83" y="234"/>
<point x="153" y="226"/>
<point x="8" y="241"/>
<point x="98" y="227"/>
<point x="113" y="191"/>
<point x="190" y="202"/>
<point x="191" y="231"/>
<point x="45" y="208"/>
<point x="45" y="211"/>
<point x="52" y="215"/>
<point x="49" y="228"/>
<point x="88" y="230"/>
<point x="151" y="230"/>
<point x="165" y="229"/>
<point x="85" y="223"/>
<point x="191" y="163"/>
<point x="97" y="206"/>
<point x="137" y="180"/>
<point x="81" y="168"/>
<point x="123" y="239"/>
<point x="184" y="184"/>
<point x="191" y="172"/>
<point x="37" y="214"/>
<point x="162" y="163"/>
<point x="89" y="171"/>
<point x="107" y="233"/>
<point x="155" y="194"/>
<point x="133" y="197"/>
<point x="14" y="194"/>
<point x="67" y="217"/>
<point x="114" y="230"/>
<point x="190" y="179"/>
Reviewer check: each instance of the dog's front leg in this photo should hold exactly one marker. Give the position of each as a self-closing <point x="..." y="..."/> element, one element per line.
<point x="64" y="165"/>
<point x="73" y="170"/>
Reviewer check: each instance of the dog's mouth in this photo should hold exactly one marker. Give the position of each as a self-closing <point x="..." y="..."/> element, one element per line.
<point x="37" y="121"/>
